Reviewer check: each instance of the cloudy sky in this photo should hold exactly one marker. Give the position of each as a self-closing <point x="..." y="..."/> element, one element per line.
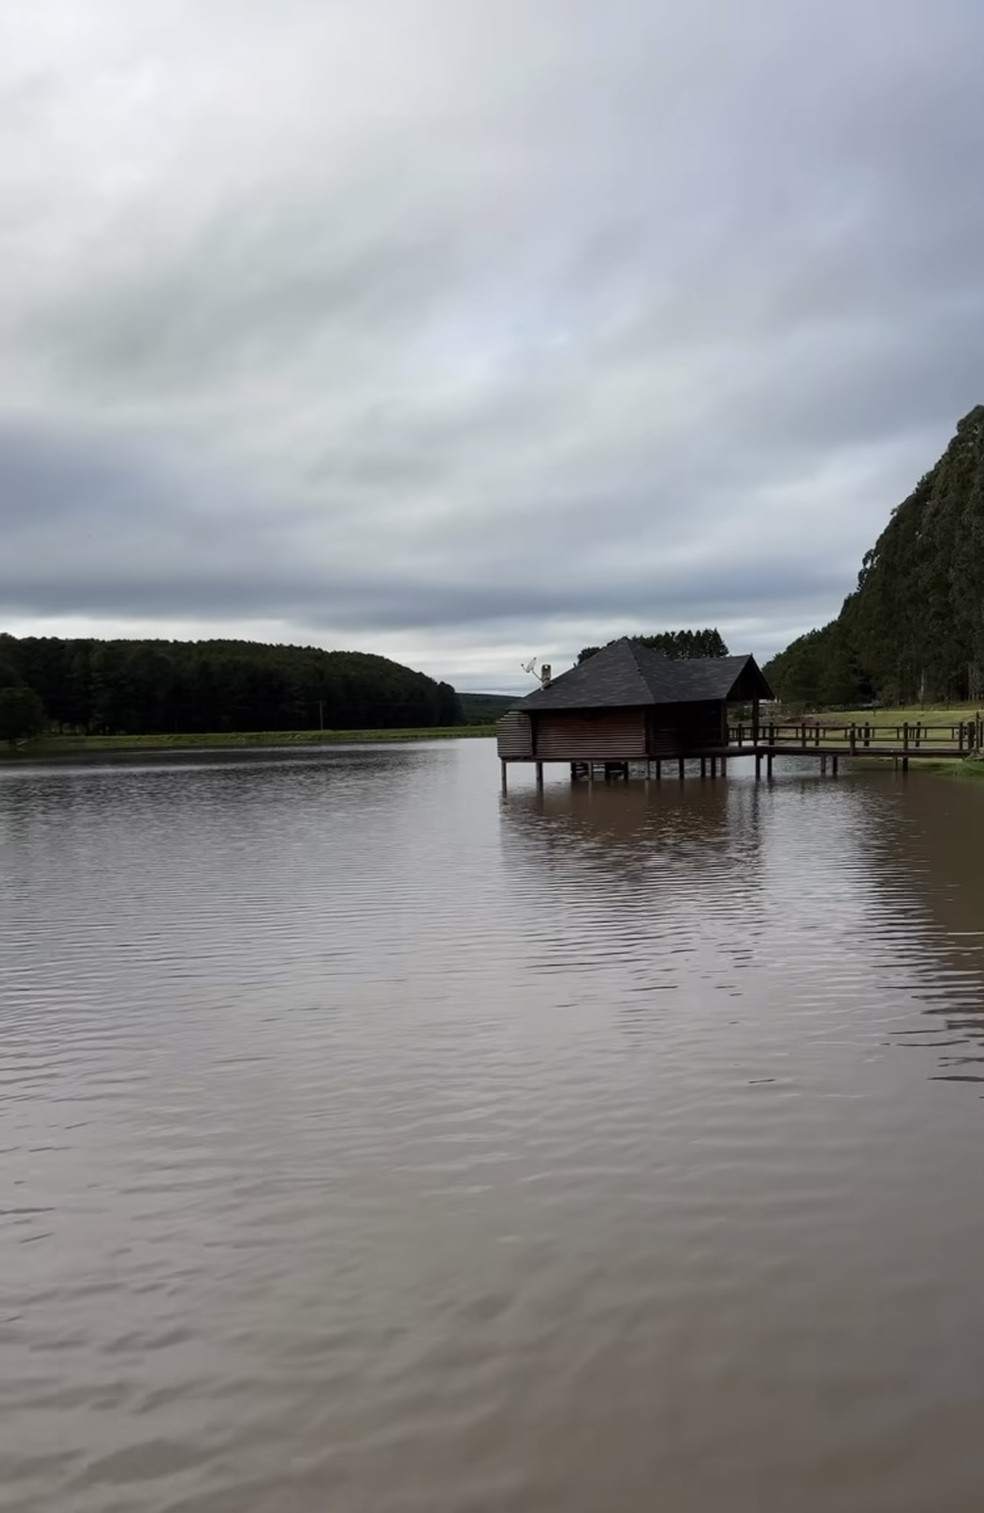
<point x="468" y="330"/>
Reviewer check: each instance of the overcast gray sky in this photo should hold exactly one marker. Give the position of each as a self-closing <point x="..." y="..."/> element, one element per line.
<point x="463" y="331"/>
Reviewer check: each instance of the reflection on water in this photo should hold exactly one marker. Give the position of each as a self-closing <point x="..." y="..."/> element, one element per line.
<point x="371" y="1141"/>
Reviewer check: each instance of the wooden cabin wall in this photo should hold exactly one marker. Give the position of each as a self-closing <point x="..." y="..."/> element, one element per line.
<point x="608" y="735"/>
<point x="663" y="730"/>
<point x="673" y="729"/>
<point x="705" y="724"/>
<point x="514" y="736"/>
<point x="613" y="735"/>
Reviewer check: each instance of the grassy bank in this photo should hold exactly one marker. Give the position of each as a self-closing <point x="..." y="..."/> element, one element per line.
<point x="75" y="745"/>
<point x="958" y="767"/>
<point x="927" y="714"/>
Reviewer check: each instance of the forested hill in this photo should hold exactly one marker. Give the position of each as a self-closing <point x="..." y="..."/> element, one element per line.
<point x="913" y="629"/>
<point x="151" y="687"/>
<point x="484" y="708"/>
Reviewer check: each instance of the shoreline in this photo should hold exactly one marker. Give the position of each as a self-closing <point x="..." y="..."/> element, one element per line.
<point x="965" y="768"/>
<point x="68" y="748"/>
<point x="151" y="745"/>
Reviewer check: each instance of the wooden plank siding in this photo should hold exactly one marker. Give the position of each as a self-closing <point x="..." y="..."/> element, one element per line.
<point x="514" y="736"/>
<point x="697" y="725"/>
<point x="610" y="735"/>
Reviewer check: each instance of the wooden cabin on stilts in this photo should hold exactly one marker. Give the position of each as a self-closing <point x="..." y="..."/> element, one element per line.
<point x="630" y="704"/>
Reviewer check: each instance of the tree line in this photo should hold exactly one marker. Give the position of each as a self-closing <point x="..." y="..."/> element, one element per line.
<point x="673" y="643"/>
<point x="163" y="687"/>
<point x="913" y="628"/>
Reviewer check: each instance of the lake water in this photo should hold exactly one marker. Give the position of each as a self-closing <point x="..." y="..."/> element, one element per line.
<point x="372" y="1143"/>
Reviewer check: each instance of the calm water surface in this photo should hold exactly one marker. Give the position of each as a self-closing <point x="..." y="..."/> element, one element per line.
<point x="372" y="1143"/>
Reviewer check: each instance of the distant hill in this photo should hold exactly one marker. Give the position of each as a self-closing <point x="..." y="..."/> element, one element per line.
<point x="913" y="629"/>
<point x="164" y="687"/>
<point x="484" y="708"/>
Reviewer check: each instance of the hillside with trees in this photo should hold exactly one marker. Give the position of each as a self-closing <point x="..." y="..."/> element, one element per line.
<point x="913" y="629"/>
<point x="485" y="708"/>
<point x="163" y="687"/>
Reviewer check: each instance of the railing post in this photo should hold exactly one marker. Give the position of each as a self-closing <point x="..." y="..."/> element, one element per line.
<point x="905" y="736"/>
<point x="854" y="738"/>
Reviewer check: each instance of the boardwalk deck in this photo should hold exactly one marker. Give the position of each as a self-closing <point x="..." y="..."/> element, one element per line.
<point x="827" y="742"/>
<point x="833" y="738"/>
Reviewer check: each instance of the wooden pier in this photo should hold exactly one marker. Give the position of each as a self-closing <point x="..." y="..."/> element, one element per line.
<point x="830" y="739"/>
<point x="827" y="741"/>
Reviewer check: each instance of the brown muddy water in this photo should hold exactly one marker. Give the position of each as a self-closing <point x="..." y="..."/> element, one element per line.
<point x="374" y="1144"/>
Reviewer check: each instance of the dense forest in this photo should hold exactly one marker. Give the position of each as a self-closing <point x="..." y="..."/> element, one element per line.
<point x="159" y="687"/>
<point x="674" y="643"/>
<point x="913" y="629"/>
<point x="485" y="708"/>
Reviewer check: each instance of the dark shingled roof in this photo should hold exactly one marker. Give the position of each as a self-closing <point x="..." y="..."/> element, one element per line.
<point x="626" y="675"/>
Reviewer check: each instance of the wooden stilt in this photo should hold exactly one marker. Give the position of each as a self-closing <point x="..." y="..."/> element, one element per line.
<point x="758" y="766"/>
<point x="505" y="784"/>
<point x="768" y="765"/>
<point x="680" y="760"/>
<point x="659" y="769"/>
<point x="539" y="774"/>
<point x="703" y="767"/>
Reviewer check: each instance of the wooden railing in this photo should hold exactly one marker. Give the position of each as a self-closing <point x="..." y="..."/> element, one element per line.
<point x="910" y="737"/>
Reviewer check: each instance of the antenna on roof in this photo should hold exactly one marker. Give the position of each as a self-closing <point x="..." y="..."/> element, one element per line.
<point x="544" y="674"/>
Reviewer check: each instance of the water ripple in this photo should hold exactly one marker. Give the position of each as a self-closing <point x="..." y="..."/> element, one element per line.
<point x="372" y="1142"/>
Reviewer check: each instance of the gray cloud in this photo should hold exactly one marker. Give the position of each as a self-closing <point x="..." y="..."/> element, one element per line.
<point x="448" y="329"/>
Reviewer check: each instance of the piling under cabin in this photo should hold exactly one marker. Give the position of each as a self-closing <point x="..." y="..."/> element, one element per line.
<point x="629" y="703"/>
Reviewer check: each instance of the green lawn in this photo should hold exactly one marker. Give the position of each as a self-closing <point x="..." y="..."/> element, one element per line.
<point x="886" y="729"/>
<point x="927" y="714"/>
<point x="887" y="725"/>
<point x="75" y="745"/>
